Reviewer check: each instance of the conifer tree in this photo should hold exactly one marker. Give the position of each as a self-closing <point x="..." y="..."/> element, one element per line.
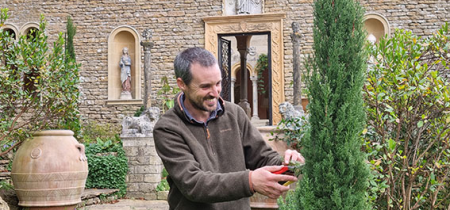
<point x="335" y="175"/>
<point x="72" y="121"/>
<point x="71" y="31"/>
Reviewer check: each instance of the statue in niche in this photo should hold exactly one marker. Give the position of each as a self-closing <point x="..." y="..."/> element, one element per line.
<point x="125" y="74"/>
<point x="245" y="6"/>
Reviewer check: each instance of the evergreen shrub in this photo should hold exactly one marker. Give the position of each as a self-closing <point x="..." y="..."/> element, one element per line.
<point x="408" y="109"/>
<point x="335" y="175"/>
<point x="39" y="86"/>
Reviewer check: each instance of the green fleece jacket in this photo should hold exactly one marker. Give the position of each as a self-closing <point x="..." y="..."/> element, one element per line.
<point x="209" y="165"/>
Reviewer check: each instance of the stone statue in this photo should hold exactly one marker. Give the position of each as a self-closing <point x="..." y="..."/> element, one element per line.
<point x="140" y="126"/>
<point x="245" y="6"/>
<point x="288" y="111"/>
<point x="372" y="39"/>
<point x="125" y="70"/>
<point x="147" y="34"/>
<point x="296" y="119"/>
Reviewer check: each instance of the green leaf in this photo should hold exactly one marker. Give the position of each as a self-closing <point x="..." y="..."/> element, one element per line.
<point x="420" y="124"/>
<point x="391" y="144"/>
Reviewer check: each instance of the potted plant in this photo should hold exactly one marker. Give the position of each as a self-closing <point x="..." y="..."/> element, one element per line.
<point x="39" y="91"/>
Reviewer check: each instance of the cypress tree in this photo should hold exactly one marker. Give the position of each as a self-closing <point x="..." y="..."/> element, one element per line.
<point x="71" y="121"/>
<point x="335" y="175"/>
<point x="71" y="31"/>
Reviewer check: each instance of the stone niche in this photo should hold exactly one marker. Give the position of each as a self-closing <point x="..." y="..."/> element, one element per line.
<point x="124" y="36"/>
<point x="377" y="25"/>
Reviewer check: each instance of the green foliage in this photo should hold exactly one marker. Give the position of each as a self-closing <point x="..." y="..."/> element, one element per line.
<point x="139" y="111"/>
<point x="71" y="31"/>
<point x="408" y="134"/>
<point x="262" y="64"/>
<point x="163" y="185"/>
<point x="72" y="122"/>
<point x="291" y="131"/>
<point x="5" y="185"/>
<point x="39" y="89"/>
<point x="335" y="175"/>
<point x="107" y="171"/>
<point x="93" y="130"/>
<point x="165" y="93"/>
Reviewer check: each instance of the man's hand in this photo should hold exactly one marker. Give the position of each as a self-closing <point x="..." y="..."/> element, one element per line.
<point x="293" y="155"/>
<point x="266" y="183"/>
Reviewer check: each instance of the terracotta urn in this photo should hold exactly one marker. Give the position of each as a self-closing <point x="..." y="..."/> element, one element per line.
<point x="49" y="171"/>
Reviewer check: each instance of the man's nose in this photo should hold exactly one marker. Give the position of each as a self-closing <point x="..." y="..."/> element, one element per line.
<point x="216" y="91"/>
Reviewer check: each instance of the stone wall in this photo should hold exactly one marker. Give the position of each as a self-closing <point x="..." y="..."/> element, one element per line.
<point x="144" y="167"/>
<point x="176" y="25"/>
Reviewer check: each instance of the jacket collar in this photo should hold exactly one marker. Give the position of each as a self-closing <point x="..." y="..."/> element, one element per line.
<point x="184" y="115"/>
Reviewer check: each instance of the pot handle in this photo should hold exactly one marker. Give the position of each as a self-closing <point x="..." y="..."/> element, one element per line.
<point x="80" y="147"/>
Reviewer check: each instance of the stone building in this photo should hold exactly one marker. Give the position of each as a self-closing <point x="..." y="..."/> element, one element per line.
<point x="105" y="27"/>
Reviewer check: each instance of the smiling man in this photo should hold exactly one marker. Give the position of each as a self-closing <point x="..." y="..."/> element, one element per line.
<point x="216" y="159"/>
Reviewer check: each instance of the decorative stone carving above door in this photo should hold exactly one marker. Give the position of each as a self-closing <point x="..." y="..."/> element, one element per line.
<point x="272" y="23"/>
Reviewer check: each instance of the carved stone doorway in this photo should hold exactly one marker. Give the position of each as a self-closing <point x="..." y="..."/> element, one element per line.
<point x="257" y="87"/>
<point x="248" y="24"/>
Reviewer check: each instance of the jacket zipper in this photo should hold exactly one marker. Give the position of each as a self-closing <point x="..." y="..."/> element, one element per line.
<point x="208" y="140"/>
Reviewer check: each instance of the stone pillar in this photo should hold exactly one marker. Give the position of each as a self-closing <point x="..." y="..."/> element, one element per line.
<point x="147" y="44"/>
<point x="144" y="167"/>
<point x="242" y="46"/>
<point x="255" y="97"/>
<point x="295" y="38"/>
<point x="233" y="80"/>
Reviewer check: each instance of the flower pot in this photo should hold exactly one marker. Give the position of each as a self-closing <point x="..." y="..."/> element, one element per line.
<point x="50" y="171"/>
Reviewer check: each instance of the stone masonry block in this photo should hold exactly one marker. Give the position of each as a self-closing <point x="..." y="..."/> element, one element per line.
<point x="147" y="187"/>
<point x="131" y="151"/>
<point x="147" y="170"/>
<point x="135" y="178"/>
<point x="152" y="178"/>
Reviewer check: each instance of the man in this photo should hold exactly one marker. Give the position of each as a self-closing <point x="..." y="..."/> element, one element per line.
<point x="214" y="156"/>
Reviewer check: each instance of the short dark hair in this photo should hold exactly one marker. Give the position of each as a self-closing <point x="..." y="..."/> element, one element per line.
<point x="184" y="60"/>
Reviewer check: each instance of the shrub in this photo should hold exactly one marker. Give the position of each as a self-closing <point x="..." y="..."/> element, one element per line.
<point x="291" y="131"/>
<point x="107" y="170"/>
<point x="92" y="130"/>
<point x="39" y="87"/>
<point x="335" y="175"/>
<point x="408" y="121"/>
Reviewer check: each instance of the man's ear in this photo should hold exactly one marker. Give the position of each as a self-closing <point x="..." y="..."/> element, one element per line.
<point x="181" y="84"/>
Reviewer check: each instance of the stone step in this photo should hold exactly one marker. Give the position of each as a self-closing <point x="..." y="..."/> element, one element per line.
<point x="93" y="196"/>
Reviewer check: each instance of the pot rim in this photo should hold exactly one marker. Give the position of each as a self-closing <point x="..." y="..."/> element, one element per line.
<point x="54" y="133"/>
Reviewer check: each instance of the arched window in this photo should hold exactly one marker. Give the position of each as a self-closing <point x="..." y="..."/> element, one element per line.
<point x="30" y="30"/>
<point x="11" y="30"/>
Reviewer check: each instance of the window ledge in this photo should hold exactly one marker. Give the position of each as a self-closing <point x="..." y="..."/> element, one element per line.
<point x="124" y="102"/>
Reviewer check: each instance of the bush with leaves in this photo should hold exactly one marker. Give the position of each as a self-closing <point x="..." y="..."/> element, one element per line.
<point x="93" y="130"/>
<point x="166" y="94"/>
<point x="408" y="109"/>
<point x="39" y="87"/>
<point x="291" y="131"/>
<point x="108" y="165"/>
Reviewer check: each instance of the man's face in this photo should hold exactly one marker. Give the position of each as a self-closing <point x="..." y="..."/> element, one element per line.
<point x="203" y="92"/>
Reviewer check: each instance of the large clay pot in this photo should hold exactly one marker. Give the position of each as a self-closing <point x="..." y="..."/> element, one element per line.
<point x="50" y="170"/>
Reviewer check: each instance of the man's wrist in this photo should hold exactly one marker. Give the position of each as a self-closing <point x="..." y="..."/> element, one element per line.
<point x="250" y="183"/>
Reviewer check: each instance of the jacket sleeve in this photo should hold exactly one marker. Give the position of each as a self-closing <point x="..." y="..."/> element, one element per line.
<point x="194" y="183"/>
<point x="257" y="152"/>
